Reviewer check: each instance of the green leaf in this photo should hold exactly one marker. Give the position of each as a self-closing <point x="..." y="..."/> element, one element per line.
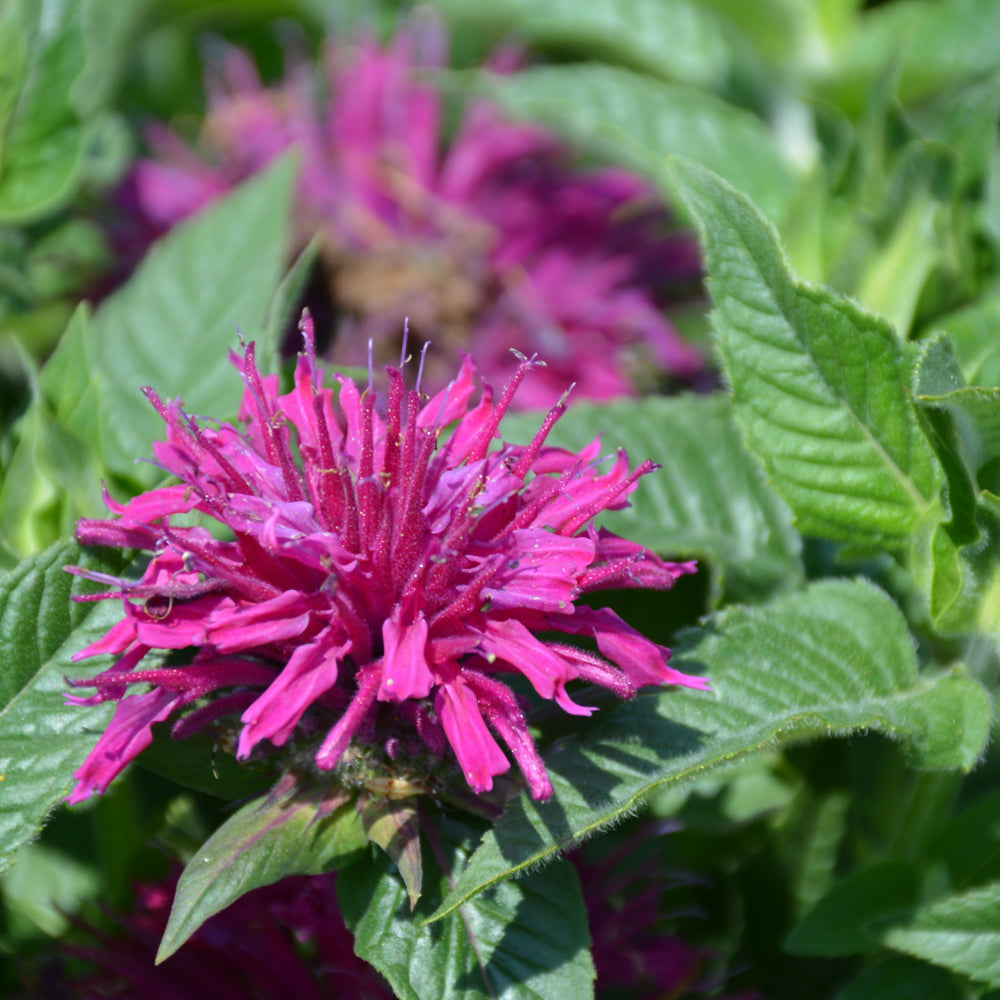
<point x="835" y="659"/>
<point x="969" y="845"/>
<point x="962" y="423"/>
<point x="46" y="885"/>
<point x="965" y="579"/>
<point x="197" y="761"/>
<point x="936" y="45"/>
<point x="110" y="29"/>
<point x="631" y="31"/>
<point x="938" y="372"/>
<point x="909" y="248"/>
<point x="960" y="933"/>
<point x="818" y="383"/>
<point x="43" y="142"/>
<point x="903" y="979"/>
<point x="710" y="500"/>
<point x="394" y="824"/>
<point x="839" y="923"/>
<point x="286" y="832"/>
<point x="42" y="740"/>
<point x="522" y="940"/>
<point x="280" y="309"/>
<point x="172" y="324"/>
<point x="966" y="122"/>
<point x="640" y="121"/>
<point x="53" y="477"/>
<point x="974" y="340"/>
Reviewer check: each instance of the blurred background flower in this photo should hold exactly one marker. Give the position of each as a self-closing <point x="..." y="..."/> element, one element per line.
<point x="489" y="240"/>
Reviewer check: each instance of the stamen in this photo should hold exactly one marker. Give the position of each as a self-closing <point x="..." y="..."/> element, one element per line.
<point x="420" y="370"/>
<point x="403" y="358"/>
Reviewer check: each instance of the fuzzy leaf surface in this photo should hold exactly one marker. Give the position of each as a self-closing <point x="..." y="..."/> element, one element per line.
<point x="42" y="740"/>
<point x="819" y="384"/>
<point x="834" y="659"/>
<point x="523" y="940"/>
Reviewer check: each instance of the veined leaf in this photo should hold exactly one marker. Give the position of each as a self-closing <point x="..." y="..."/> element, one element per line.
<point x="42" y="740"/>
<point x="710" y="500"/>
<point x="521" y="940"/>
<point x="819" y="384"/>
<point x="286" y="832"/>
<point x="960" y="932"/>
<point x="834" y="659"/>
<point x="640" y="121"/>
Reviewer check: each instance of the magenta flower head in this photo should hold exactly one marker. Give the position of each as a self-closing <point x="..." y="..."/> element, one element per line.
<point x="492" y="241"/>
<point x="375" y="582"/>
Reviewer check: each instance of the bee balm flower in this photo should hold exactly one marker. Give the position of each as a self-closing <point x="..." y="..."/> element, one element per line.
<point x="489" y="241"/>
<point x="378" y="581"/>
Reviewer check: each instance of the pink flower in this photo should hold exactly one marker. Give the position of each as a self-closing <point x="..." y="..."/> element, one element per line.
<point x="374" y="581"/>
<point x="495" y="242"/>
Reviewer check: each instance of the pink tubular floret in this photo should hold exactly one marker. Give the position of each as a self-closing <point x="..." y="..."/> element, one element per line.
<point x="377" y="584"/>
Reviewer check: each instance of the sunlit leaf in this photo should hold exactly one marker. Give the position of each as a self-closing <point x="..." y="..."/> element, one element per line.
<point x="42" y="740"/>
<point x="819" y="384"/>
<point x="286" y="832"/>
<point x="522" y="940"/>
<point x="835" y="659"/>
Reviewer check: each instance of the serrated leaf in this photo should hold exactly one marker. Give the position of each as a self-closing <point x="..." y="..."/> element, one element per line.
<point x="522" y="940"/>
<point x="42" y="740"/>
<point x="640" y="121"/>
<point x="710" y="500"/>
<point x="835" y="659"/>
<point x="172" y="325"/>
<point x="960" y="933"/>
<point x="819" y="384"/>
<point x="289" y="831"/>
